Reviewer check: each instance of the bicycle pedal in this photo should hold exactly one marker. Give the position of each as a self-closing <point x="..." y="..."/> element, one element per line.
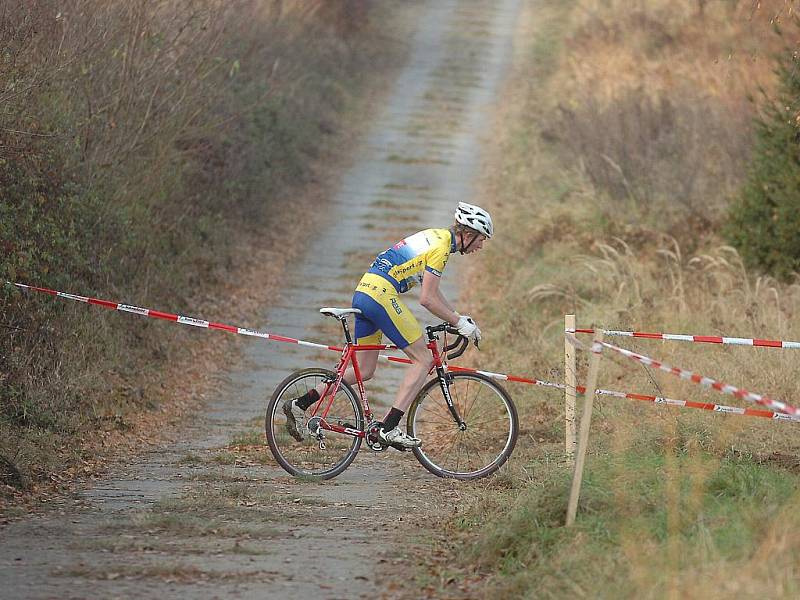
<point x="377" y="447"/>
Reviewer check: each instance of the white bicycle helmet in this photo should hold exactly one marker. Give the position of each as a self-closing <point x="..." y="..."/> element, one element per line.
<point x="475" y="218"/>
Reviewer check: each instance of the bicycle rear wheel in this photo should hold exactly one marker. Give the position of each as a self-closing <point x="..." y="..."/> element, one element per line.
<point x="488" y="438"/>
<point x="306" y="457"/>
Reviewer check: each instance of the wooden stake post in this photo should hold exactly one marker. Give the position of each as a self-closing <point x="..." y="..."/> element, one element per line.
<point x="570" y="432"/>
<point x="583" y="438"/>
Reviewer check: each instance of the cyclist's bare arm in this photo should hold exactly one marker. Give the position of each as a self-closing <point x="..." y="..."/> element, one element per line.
<point x="433" y="300"/>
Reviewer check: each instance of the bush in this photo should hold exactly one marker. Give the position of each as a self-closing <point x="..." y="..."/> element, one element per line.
<point x="670" y="153"/>
<point x="764" y="224"/>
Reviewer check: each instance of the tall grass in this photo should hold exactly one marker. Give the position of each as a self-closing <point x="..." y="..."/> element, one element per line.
<point x="609" y="184"/>
<point x="654" y="523"/>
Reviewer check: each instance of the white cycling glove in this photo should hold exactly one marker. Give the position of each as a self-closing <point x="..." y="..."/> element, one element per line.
<point x="468" y="328"/>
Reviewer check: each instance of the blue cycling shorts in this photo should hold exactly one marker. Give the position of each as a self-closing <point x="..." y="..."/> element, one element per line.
<point x="382" y="312"/>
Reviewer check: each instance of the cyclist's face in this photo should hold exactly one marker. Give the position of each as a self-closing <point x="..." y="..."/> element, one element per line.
<point x="476" y="245"/>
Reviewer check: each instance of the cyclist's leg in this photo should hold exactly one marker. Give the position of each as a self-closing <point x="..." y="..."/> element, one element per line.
<point x="398" y="324"/>
<point x="381" y="314"/>
<point x="366" y="332"/>
<point x="394" y="319"/>
<point x="388" y="315"/>
<point x="413" y="381"/>
<point x="417" y="373"/>
<point x="385" y="314"/>
<point x="367" y="363"/>
<point x="295" y="408"/>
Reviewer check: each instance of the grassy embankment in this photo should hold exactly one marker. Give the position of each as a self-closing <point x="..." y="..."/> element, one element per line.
<point x="627" y="133"/>
<point x="154" y="153"/>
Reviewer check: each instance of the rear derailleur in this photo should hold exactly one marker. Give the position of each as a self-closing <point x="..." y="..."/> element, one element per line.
<point x="316" y="431"/>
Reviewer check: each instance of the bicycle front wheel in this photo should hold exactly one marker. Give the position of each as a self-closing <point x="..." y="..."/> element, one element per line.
<point x="482" y="445"/>
<point x="306" y="457"/>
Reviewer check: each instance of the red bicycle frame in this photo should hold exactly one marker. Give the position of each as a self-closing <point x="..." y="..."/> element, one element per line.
<point x="349" y="357"/>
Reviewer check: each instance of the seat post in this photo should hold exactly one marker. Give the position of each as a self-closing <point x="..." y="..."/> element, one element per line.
<point x="346" y="330"/>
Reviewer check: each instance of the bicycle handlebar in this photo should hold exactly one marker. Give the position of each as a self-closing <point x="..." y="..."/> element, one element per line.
<point x="459" y="345"/>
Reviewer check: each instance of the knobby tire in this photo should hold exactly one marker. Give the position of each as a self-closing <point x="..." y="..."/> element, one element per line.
<point x="306" y="458"/>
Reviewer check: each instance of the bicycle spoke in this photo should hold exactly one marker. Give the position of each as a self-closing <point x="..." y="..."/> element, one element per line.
<point x="454" y="438"/>
<point x="490" y="427"/>
<point x="468" y="406"/>
<point x="488" y="421"/>
<point x="309" y="456"/>
<point x="443" y="417"/>
<point x="438" y="435"/>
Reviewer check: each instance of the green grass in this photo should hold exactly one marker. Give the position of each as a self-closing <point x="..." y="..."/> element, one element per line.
<point x="219" y="476"/>
<point x="248" y="438"/>
<point x="185" y="524"/>
<point x="259" y="455"/>
<point x="308" y="479"/>
<point x="192" y="458"/>
<point x="415" y="160"/>
<point x="230" y="509"/>
<point x="192" y="546"/>
<point x="659" y="513"/>
<point x="169" y="571"/>
<point x="407" y="187"/>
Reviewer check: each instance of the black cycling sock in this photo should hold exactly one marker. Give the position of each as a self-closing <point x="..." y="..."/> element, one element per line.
<point x="308" y="399"/>
<point x="392" y="420"/>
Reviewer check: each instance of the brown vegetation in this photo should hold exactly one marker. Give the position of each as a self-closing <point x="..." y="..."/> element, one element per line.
<point x="622" y="152"/>
<point x="144" y="149"/>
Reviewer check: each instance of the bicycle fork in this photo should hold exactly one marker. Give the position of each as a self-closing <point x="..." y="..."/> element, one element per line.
<point x="444" y="380"/>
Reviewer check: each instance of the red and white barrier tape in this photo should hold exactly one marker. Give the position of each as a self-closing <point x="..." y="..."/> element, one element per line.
<point x="705" y="381"/>
<point x="698" y="339"/>
<point x="500" y="376"/>
<point x="183" y="320"/>
<point x="503" y="377"/>
<point x="718" y="408"/>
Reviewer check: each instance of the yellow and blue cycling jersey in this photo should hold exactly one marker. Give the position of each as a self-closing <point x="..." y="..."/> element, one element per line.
<point x="395" y="271"/>
<point x="403" y="264"/>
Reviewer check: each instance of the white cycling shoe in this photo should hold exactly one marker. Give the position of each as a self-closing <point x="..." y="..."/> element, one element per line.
<point x="399" y="439"/>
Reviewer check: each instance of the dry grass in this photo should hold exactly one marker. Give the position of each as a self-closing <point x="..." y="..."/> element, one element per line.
<point x="653" y="102"/>
<point x="213" y="509"/>
<point x="607" y="186"/>
<point x="723" y="49"/>
<point x="567" y="249"/>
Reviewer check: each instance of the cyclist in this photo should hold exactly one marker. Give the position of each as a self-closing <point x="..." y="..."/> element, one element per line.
<point x="420" y="257"/>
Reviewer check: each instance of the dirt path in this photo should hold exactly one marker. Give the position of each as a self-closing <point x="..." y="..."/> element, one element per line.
<point x="210" y="515"/>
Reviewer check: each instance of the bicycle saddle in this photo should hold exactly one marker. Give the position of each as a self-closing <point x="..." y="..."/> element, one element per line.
<point x="339" y="312"/>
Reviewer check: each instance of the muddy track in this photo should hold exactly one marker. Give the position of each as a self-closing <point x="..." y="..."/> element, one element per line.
<point x="211" y="516"/>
